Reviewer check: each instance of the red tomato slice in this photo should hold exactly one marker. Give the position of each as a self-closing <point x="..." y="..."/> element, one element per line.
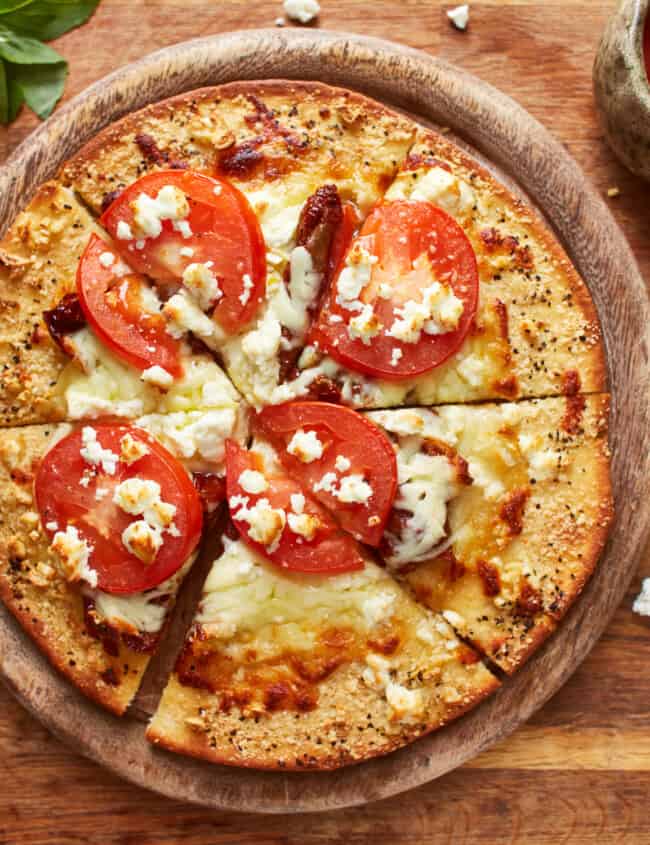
<point x="223" y="229"/>
<point x="61" y="498"/>
<point x="398" y="234"/>
<point x="349" y="438"/>
<point x="112" y="303"/>
<point x="328" y="551"/>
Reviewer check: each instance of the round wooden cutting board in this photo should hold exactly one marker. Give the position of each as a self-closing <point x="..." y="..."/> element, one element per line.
<point x="519" y="150"/>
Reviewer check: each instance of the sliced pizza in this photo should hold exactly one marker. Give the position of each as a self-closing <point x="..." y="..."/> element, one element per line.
<point x="453" y="291"/>
<point x="290" y="670"/>
<point x="100" y="524"/>
<point x="500" y="515"/>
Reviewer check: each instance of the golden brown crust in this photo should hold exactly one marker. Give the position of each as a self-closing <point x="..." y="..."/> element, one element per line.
<point x="330" y="737"/>
<point x="347" y="138"/>
<point x="51" y="610"/>
<point x="38" y="265"/>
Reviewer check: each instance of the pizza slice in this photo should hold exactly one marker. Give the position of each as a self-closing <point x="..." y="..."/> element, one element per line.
<point x="310" y="160"/>
<point x="304" y="653"/>
<point x="100" y="524"/>
<point x="453" y="291"/>
<point x="500" y="515"/>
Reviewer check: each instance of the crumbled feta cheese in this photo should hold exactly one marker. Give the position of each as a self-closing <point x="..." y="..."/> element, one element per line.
<point x="248" y="287"/>
<point x="141" y="497"/>
<point x="642" y="602"/>
<point x="385" y="291"/>
<point x="106" y="259"/>
<point x="297" y="502"/>
<point x="52" y="526"/>
<point x="202" y="284"/>
<point x="352" y="489"/>
<point x="439" y="312"/>
<point x="132" y="449"/>
<point x="472" y="370"/>
<point x="74" y="554"/>
<point x="142" y="540"/>
<point x="253" y="482"/>
<point x="342" y="463"/>
<point x="183" y="227"/>
<point x="403" y="702"/>
<point x="395" y="356"/>
<point x="183" y="315"/>
<point x="303" y="11"/>
<point x="266" y="523"/>
<point x="365" y="325"/>
<point x="377" y="673"/>
<point x="354" y="277"/>
<point x="186" y="251"/>
<point x="459" y="16"/>
<point x="157" y="376"/>
<point x="169" y="204"/>
<point x="94" y="453"/>
<point x="304" y="524"/>
<point x="305" y="446"/>
<point x="124" y="231"/>
<point x="378" y="608"/>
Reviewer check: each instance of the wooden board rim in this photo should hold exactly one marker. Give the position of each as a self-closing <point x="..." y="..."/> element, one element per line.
<point x="510" y="137"/>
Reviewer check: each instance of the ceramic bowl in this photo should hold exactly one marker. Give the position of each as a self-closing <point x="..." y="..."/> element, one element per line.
<point x="622" y="89"/>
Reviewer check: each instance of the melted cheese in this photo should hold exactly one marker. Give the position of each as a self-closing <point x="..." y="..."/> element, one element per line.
<point x="247" y="596"/>
<point x="141" y="612"/>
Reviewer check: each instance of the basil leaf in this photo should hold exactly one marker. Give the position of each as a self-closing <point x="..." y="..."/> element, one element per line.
<point x="40" y="86"/>
<point x="47" y="19"/>
<point x="4" y="96"/>
<point x="11" y="5"/>
<point x="21" y="50"/>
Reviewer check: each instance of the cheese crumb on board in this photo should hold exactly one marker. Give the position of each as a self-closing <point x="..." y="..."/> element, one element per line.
<point x="303" y="11"/>
<point x="642" y="602"/>
<point x="459" y="16"/>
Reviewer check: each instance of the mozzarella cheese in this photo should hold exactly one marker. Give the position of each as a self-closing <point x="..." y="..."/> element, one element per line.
<point x="142" y="612"/>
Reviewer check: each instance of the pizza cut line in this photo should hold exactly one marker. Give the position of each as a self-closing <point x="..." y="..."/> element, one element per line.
<point x="283" y="303"/>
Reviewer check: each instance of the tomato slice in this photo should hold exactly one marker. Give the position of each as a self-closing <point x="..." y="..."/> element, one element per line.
<point x="112" y="299"/>
<point x="327" y="550"/>
<point x="351" y="446"/>
<point x="219" y="227"/>
<point x="66" y="491"/>
<point x="413" y="244"/>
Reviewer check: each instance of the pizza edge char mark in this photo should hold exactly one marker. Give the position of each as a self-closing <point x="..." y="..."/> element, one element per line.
<point x="246" y="160"/>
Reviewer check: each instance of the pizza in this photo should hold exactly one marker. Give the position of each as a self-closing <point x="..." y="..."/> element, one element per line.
<point x="277" y="333"/>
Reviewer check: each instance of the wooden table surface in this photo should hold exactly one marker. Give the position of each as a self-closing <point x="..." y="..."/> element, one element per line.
<point x="579" y="772"/>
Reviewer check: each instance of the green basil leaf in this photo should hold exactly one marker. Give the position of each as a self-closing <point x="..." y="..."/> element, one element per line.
<point x="40" y="86"/>
<point x="4" y="96"/>
<point x="47" y="19"/>
<point x="21" y="50"/>
<point x="11" y="5"/>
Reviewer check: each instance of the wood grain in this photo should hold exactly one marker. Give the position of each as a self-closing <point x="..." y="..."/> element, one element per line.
<point x="513" y="47"/>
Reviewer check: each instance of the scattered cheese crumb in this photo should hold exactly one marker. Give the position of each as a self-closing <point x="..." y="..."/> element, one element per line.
<point x="142" y="540"/>
<point x="613" y="192"/>
<point x="304" y="524"/>
<point x="124" y="232"/>
<point x="342" y="463"/>
<point x="106" y="259"/>
<point x="170" y="203"/>
<point x="253" y="482"/>
<point x="132" y="449"/>
<point x="94" y="453"/>
<point x="202" y="284"/>
<point x="305" y="446"/>
<point x="74" y="554"/>
<point x="157" y="376"/>
<point x="302" y="11"/>
<point x="266" y="524"/>
<point x="459" y="16"/>
<point x="642" y="602"/>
